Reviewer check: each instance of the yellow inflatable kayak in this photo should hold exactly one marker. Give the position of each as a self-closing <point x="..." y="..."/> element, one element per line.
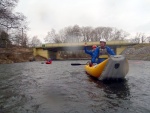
<point x="96" y="70"/>
<point x="114" y="67"/>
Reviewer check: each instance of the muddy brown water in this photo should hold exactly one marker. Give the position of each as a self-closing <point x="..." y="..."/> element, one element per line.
<point x="34" y="87"/>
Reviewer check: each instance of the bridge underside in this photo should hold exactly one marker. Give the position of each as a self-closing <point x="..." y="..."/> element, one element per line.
<point x="74" y="48"/>
<point x="54" y="53"/>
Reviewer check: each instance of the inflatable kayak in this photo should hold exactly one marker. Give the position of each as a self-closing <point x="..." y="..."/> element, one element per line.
<point x="48" y="62"/>
<point x="115" y="67"/>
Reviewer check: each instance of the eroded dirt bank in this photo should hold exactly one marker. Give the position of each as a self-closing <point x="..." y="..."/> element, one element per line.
<point x="17" y="54"/>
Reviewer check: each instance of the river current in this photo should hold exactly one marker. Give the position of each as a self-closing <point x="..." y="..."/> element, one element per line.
<point x="34" y="87"/>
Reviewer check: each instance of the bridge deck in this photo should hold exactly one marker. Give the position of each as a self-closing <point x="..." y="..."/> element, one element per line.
<point x="109" y="43"/>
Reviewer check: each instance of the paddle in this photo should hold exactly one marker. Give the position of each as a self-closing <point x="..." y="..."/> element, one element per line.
<point x="76" y="64"/>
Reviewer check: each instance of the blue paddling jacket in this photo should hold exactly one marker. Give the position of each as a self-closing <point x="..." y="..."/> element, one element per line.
<point x="101" y="54"/>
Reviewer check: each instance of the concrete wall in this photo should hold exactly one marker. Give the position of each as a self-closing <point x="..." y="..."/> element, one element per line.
<point x="119" y="50"/>
<point x="41" y="52"/>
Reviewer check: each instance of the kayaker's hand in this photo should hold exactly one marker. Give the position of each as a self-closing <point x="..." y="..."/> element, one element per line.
<point x="90" y="64"/>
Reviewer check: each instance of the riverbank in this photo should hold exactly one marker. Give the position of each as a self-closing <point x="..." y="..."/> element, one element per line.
<point x="17" y="54"/>
<point x="20" y="54"/>
<point x="138" y="52"/>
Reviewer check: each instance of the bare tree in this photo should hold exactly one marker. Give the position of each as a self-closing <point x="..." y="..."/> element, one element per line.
<point x="52" y="37"/>
<point x="148" y="39"/>
<point x="62" y="36"/>
<point x="98" y="33"/>
<point x="7" y="18"/>
<point x="12" y="22"/>
<point x="101" y="32"/>
<point x="118" y="34"/>
<point x="135" y="40"/>
<point x="93" y="35"/>
<point x="107" y="33"/>
<point x="24" y="41"/>
<point x="77" y="34"/>
<point x="19" y="38"/>
<point x="35" y="42"/>
<point x="4" y="39"/>
<point x="72" y="34"/>
<point x="16" y="39"/>
<point x="68" y="34"/>
<point x="86" y="32"/>
<point x="57" y="39"/>
<point x="141" y="36"/>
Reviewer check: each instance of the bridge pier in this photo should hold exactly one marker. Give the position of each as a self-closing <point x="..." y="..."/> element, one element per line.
<point x="54" y="55"/>
<point x="40" y="52"/>
<point x="119" y="50"/>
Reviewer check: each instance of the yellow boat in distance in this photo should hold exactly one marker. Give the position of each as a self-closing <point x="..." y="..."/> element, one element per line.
<point x="115" y="67"/>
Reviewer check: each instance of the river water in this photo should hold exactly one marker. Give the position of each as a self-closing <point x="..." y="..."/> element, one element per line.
<point x="34" y="87"/>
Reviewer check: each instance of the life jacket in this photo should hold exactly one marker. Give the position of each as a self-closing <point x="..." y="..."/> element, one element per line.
<point x="103" y="53"/>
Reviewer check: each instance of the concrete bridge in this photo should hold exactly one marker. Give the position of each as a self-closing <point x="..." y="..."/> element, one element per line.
<point x="51" y="50"/>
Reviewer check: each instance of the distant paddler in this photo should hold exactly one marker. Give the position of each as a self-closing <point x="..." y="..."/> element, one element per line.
<point x="49" y="61"/>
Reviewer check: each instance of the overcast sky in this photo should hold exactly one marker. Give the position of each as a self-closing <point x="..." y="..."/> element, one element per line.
<point x="129" y="15"/>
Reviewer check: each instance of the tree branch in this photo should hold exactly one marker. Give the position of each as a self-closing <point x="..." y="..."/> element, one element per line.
<point x="8" y="26"/>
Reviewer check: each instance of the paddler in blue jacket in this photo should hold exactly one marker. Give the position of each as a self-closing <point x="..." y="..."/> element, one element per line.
<point x="102" y="52"/>
<point x="90" y="52"/>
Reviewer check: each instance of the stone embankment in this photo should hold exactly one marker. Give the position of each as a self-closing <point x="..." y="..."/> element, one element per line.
<point x="138" y="52"/>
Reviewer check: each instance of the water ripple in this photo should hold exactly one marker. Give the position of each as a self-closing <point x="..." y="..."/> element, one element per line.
<point x="34" y="87"/>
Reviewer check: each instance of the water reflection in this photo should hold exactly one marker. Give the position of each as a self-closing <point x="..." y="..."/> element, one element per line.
<point x="113" y="88"/>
